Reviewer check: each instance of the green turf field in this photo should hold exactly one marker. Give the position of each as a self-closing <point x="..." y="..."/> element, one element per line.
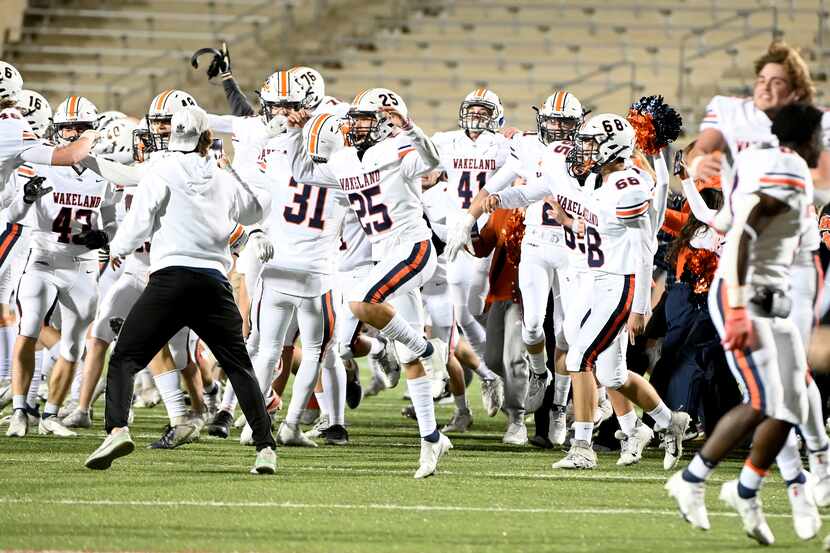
<point x="486" y="497"/>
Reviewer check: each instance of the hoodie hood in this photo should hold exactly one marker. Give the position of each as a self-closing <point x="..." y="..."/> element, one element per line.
<point x="195" y="170"/>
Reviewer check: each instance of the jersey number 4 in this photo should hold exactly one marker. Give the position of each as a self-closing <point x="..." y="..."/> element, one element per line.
<point x="298" y="212"/>
<point x="374" y="217"/>
<point x="465" y="192"/>
<point x="62" y="225"/>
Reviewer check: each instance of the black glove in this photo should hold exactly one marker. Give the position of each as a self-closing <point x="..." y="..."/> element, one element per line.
<point x="92" y="239"/>
<point x="33" y="190"/>
<point x="220" y="64"/>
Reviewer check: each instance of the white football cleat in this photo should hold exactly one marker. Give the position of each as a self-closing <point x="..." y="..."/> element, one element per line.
<point x="246" y="437"/>
<point x="821" y="477"/>
<point x="18" y="424"/>
<point x="318" y="428"/>
<point x="461" y="421"/>
<point x="492" y="395"/>
<point x="673" y="439"/>
<point x="581" y="456"/>
<point x="51" y="425"/>
<point x="431" y="453"/>
<point x="77" y="419"/>
<point x="631" y="450"/>
<point x="806" y="519"/>
<point x="690" y="500"/>
<point x="750" y="510"/>
<point x="67" y="408"/>
<point x="537" y="384"/>
<point x="290" y="434"/>
<point x="558" y="429"/>
<point x="516" y="433"/>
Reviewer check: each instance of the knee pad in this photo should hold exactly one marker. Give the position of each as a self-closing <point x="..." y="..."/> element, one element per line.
<point x="532" y="335"/>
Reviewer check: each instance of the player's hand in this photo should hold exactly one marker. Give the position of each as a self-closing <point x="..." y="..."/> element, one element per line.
<point x="92" y="239"/>
<point x="277" y="125"/>
<point x="458" y="236"/>
<point x="34" y="190"/>
<point x="491" y="203"/>
<point x="510" y="132"/>
<point x="395" y="117"/>
<point x="636" y="326"/>
<point x="221" y="63"/>
<point x="223" y="161"/>
<point x="705" y="167"/>
<point x="91" y="135"/>
<point x="116" y="261"/>
<point x="297" y="119"/>
<point x="263" y="248"/>
<point x="738" y="332"/>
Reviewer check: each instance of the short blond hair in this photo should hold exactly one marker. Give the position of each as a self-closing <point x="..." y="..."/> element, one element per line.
<point x="799" y="74"/>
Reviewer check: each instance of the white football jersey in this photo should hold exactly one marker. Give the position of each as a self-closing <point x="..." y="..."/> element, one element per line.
<point x="16" y="137"/>
<point x="74" y="205"/>
<point x="784" y="175"/>
<point x="810" y="239"/>
<point x="139" y="261"/>
<point x="617" y="221"/>
<point x="469" y="163"/>
<point x="355" y="247"/>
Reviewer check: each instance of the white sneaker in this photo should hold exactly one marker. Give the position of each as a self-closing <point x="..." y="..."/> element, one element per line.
<point x="317" y="430"/>
<point x="673" y="439"/>
<point x="290" y="434"/>
<point x="18" y="424"/>
<point x="806" y="519"/>
<point x="821" y="477"/>
<point x="431" y="453"/>
<point x="631" y="450"/>
<point x="77" y="419"/>
<point x="51" y="425"/>
<point x="5" y="393"/>
<point x="240" y="421"/>
<point x="690" y="500"/>
<point x="603" y="412"/>
<point x="516" y="433"/>
<point x="752" y="516"/>
<point x="266" y="462"/>
<point x="492" y="395"/>
<point x="246" y="437"/>
<point x="580" y="456"/>
<point x="537" y="384"/>
<point x="461" y="421"/>
<point x="67" y="408"/>
<point x="558" y="429"/>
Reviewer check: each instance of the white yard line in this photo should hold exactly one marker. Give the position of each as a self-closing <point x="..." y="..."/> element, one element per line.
<point x="368" y="506"/>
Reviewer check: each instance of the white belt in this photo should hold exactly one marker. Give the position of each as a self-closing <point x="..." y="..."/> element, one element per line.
<point x="550" y="235"/>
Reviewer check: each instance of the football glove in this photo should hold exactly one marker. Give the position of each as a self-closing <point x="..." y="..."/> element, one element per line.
<point x="219" y="65"/>
<point x="459" y="236"/>
<point x="276" y="126"/>
<point x="34" y="190"/>
<point x="263" y="248"/>
<point x="92" y="239"/>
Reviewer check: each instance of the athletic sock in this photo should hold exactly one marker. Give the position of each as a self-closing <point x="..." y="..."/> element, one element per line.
<point x="171" y="394"/>
<point x="302" y="391"/>
<point x="537" y="362"/>
<point x="50" y="410"/>
<point x="401" y="331"/>
<point x="461" y="402"/>
<point x="661" y="415"/>
<point x="801" y="478"/>
<point x="77" y="383"/>
<point x="323" y="402"/>
<point x="583" y="431"/>
<point x="334" y="383"/>
<point x="813" y="429"/>
<point x="628" y="422"/>
<point x="34" y="385"/>
<point x="602" y="394"/>
<point x="420" y="392"/>
<point x="699" y="469"/>
<point x="561" y="389"/>
<point x="19" y="402"/>
<point x="789" y="458"/>
<point x="750" y="480"/>
<point x="228" y="398"/>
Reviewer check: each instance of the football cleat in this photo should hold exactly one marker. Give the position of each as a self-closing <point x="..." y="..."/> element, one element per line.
<point x="386" y="363"/>
<point x="603" y="412"/>
<point x="52" y="426"/>
<point x="291" y="435"/>
<point x="266" y="462"/>
<point x="580" y="456"/>
<point x="806" y="519"/>
<point x="492" y="395"/>
<point x="537" y="385"/>
<point x="67" y="408"/>
<point x="77" y="419"/>
<point x="516" y="433"/>
<point x="631" y="447"/>
<point x="5" y="393"/>
<point x="376" y="385"/>
<point x="184" y="431"/>
<point x="318" y="428"/>
<point x="750" y="511"/>
<point x="220" y="426"/>
<point x="336" y="434"/>
<point x="690" y="500"/>
<point x="558" y="430"/>
<point x="821" y="477"/>
<point x="115" y="445"/>
<point x="461" y="421"/>
<point x="18" y="424"/>
<point x="431" y="453"/>
<point x="673" y="439"/>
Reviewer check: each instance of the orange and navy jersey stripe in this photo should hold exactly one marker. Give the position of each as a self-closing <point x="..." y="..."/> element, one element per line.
<point x="401" y="273"/>
<point x="405" y="149"/>
<point x="8" y="238"/>
<point x="743" y="363"/>
<point x="710" y="118"/>
<point x="329" y="320"/>
<point x="782" y="180"/>
<point x="26" y="171"/>
<point x="612" y="326"/>
<point x="314" y="135"/>
<point x="633" y="211"/>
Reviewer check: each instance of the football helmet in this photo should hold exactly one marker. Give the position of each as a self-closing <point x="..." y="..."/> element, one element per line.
<point x="37" y="111"/>
<point x="294" y="89"/>
<point x="604" y="138"/>
<point x="116" y="142"/>
<point x="107" y="117"/>
<point x="366" y="124"/>
<point x="11" y="83"/>
<point x="161" y="113"/>
<point x="143" y="143"/>
<point x="559" y="117"/>
<point x="75" y="113"/>
<point x="323" y="136"/>
<point x="477" y="121"/>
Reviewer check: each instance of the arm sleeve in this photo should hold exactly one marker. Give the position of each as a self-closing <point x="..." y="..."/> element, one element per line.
<point x="124" y="175"/>
<point x="303" y="169"/>
<point x="240" y="106"/>
<point x="522" y="196"/>
<point x="698" y="207"/>
<point x="661" y="193"/>
<point x="220" y="123"/>
<point x="251" y="201"/>
<point x="40" y="154"/>
<point x="108" y="223"/>
<point x="427" y="158"/>
<point x="139" y="222"/>
<point x="18" y="209"/>
<point x="501" y="179"/>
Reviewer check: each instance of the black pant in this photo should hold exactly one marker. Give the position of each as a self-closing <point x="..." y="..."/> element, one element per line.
<point x="178" y="297"/>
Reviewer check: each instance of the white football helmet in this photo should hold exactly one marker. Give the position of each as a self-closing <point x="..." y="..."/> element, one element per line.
<point x="11" y="83"/>
<point x="107" y="117"/>
<point x="293" y="89"/>
<point x="76" y="113"/>
<point x="37" y="111"/>
<point x="161" y="113"/>
<point x="142" y="141"/>
<point x="559" y="117"/>
<point x="323" y="136"/>
<point x="363" y="133"/>
<point x="604" y="138"/>
<point x="116" y="142"/>
<point x="475" y="120"/>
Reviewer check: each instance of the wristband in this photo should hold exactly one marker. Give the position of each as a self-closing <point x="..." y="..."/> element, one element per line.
<point x="736" y="296"/>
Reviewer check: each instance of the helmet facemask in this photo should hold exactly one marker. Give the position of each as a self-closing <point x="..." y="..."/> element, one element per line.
<point x="552" y="128"/>
<point x="366" y="128"/>
<point x="158" y="127"/>
<point x="480" y="120"/>
<point x="143" y="144"/>
<point x="77" y="128"/>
